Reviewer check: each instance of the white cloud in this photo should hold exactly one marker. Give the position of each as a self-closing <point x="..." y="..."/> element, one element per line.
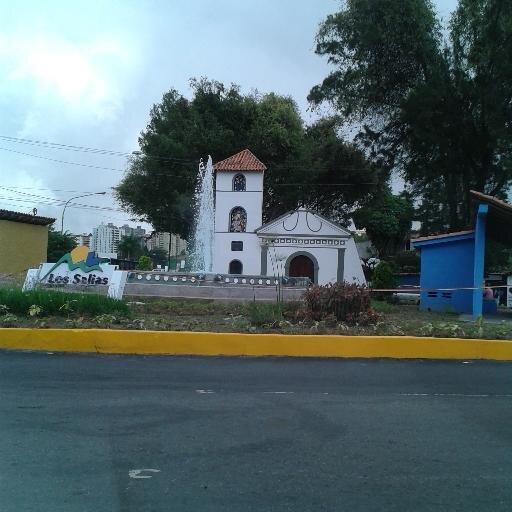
<point x="79" y="79"/>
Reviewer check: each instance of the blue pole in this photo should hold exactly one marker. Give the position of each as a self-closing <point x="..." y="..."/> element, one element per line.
<point x="478" y="266"/>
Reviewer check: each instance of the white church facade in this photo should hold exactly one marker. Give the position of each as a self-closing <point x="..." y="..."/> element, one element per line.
<point x="300" y="243"/>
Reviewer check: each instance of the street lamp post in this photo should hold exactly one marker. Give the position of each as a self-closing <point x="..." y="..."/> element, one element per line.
<point x="71" y="199"/>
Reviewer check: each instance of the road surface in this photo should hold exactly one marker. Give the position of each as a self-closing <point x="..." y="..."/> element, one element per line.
<point x="120" y="433"/>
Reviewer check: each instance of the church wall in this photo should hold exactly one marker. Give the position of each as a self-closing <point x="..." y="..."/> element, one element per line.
<point x="226" y="200"/>
<point x="250" y="200"/>
<point x="327" y="259"/>
<point x="250" y="256"/>
<point x="299" y="222"/>
<point x="353" y="268"/>
<point x="253" y="180"/>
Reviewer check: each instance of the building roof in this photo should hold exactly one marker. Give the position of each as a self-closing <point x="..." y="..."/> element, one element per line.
<point x="499" y="217"/>
<point x="25" y="218"/>
<point x="243" y="161"/>
<point x="491" y="200"/>
<point x="276" y="230"/>
<point x="445" y="235"/>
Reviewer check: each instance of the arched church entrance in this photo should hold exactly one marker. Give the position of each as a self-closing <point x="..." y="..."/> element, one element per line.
<point x="302" y="265"/>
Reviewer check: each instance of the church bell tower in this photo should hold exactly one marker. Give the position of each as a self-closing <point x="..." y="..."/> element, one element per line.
<point x="238" y="213"/>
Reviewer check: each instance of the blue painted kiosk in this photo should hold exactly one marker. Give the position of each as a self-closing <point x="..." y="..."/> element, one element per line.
<point x="452" y="265"/>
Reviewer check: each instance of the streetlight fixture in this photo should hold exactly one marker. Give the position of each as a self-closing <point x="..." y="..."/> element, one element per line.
<point x="71" y="199"/>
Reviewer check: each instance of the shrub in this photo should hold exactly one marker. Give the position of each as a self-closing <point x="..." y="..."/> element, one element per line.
<point x="144" y="263"/>
<point x="261" y="314"/>
<point x="54" y="303"/>
<point x="35" y="310"/>
<point x="105" y="320"/>
<point x="384" y="276"/>
<point x="407" y="261"/>
<point x="348" y="303"/>
<point x="9" y="320"/>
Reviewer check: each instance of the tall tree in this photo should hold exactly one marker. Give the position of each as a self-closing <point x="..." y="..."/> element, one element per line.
<point x="221" y="121"/>
<point x="59" y="244"/>
<point x="387" y="219"/>
<point x="159" y="256"/>
<point x="437" y="111"/>
<point x="129" y="247"/>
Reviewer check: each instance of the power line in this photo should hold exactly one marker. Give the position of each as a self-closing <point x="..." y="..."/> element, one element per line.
<point x="181" y="175"/>
<point x="67" y="162"/>
<point x="109" y="217"/>
<point x="62" y="203"/>
<point x="111" y="152"/>
<point x="312" y="185"/>
<point x="83" y="149"/>
<point x="12" y="187"/>
<point x="61" y="161"/>
<point x="38" y="196"/>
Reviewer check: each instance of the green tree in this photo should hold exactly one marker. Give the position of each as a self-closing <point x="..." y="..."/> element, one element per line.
<point x="336" y="175"/>
<point x="387" y="219"/>
<point x="159" y="256"/>
<point x="129" y="247"/>
<point x="437" y="111"/>
<point x="59" y="244"/>
<point x="221" y="121"/>
<point x="144" y="263"/>
<point x="407" y="261"/>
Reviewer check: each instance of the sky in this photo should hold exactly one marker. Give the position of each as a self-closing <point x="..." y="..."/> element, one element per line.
<point x="86" y="73"/>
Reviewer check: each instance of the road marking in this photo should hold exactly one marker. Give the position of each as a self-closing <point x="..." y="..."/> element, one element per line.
<point x="278" y="392"/>
<point x="136" y="473"/>
<point x="205" y="391"/>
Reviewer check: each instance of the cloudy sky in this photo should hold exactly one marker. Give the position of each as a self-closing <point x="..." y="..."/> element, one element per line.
<point x="86" y="73"/>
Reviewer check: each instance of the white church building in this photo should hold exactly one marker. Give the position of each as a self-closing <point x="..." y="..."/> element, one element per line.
<point x="300" y="243"/>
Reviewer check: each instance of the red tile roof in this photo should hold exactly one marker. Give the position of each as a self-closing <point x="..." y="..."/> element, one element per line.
<point x="243" y="161"/>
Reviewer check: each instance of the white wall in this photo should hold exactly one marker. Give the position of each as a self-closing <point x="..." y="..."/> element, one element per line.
<point x="250" y="256"/>
<point x="327" y="259"/>
<point x="353" y="268"/>
<point x="225" y="200"/>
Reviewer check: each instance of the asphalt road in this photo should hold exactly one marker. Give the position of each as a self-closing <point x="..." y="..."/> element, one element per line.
<point x="253" y="434"/>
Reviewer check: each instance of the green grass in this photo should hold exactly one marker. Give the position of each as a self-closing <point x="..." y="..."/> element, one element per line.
<point x="382" y="306"/>
<point x="261" y="314"/>
<point x="53" y="303"/>
<point x="83" y="310"/>
<point x="172" y="307"/>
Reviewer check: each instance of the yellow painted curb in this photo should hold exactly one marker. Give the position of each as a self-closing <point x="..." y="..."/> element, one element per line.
<point x="110" y="341"/>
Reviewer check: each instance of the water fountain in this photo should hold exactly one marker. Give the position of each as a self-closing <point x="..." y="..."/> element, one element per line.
<point x="200" y="282"/>
<point x="203" y="237"/>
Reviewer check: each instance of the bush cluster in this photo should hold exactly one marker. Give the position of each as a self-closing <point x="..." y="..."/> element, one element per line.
<point x="265" y="314"/>
<point x="384" y="276"/>
<point x="348" y="303"/>
<point x="41" y="302"/>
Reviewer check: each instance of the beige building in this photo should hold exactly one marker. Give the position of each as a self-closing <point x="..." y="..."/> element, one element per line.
<point x="23" y="241"/>
<point x="160" y="240"/>
<point x="84" y="239"/>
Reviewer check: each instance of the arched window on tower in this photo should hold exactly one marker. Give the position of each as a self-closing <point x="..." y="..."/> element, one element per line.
<point x="237" y="220"/>
<point x="239" y="183"/>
